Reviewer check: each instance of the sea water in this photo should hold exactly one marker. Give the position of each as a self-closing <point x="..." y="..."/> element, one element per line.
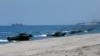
<point x="40" y="31"/>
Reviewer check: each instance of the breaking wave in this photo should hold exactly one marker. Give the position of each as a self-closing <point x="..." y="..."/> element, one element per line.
<point x="42" y="35"/>
<point x="1" y="41"/>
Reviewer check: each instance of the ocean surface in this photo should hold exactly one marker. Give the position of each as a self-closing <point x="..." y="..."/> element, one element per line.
<point x="40" y="31"/>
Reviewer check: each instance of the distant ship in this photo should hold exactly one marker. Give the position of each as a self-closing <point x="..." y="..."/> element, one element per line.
<point x="17" y="24"/>
<point x="89" y="23"/>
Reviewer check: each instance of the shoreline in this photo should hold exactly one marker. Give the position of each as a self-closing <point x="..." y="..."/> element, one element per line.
<point x="60" y="46"/>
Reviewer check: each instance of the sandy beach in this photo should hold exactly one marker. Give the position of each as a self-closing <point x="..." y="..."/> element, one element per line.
<point x="77" y="45"/>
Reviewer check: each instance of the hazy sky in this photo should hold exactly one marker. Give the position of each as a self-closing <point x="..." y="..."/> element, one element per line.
<point x="48" y="12"/>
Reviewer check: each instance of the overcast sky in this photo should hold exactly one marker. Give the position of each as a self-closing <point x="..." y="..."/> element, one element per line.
<point x="48" y="12"/>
